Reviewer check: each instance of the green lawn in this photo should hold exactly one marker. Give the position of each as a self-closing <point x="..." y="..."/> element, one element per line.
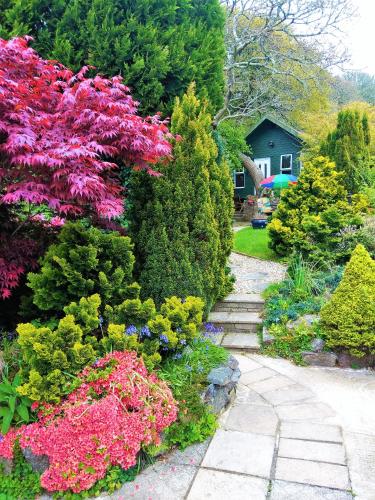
<point x="254" y="242"/>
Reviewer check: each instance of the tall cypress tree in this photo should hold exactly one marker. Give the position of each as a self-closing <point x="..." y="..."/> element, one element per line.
<point x="348" y="147"/>
<point x="158" y="46"/>
<point x="182" y="226"/>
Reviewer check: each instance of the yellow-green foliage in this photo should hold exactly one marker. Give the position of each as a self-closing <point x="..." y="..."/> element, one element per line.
<point x="348" y="319"/>
<point x="51" y="358"/>
<point x="311" y="214"/>
<point x="84" y="262"/>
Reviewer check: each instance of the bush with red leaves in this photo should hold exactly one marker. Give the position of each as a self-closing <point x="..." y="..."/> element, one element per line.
<point x="118" y="408"/>
<point x="62" y="136"/>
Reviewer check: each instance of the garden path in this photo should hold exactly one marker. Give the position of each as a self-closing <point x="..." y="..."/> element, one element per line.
<point x="291" y="433"/>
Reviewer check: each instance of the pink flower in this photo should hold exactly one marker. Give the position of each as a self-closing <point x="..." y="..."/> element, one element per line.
<point x="83" y="436"/>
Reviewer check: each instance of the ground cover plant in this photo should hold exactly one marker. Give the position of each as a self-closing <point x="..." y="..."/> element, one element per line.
<point x="255" y="243"/>
<point x="304" y="291"/>
<point x="116" y="389"/>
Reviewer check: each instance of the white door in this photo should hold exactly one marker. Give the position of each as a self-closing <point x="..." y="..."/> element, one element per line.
<point x="264" y="164"/>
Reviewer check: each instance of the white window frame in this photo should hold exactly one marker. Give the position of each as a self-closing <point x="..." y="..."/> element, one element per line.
<point x="235" y="178"/>
<point x="287" y="169"/>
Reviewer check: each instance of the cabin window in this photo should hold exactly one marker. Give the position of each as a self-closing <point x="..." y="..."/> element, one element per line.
<point x="239" y="179"/>
<point x="286" y="164"/>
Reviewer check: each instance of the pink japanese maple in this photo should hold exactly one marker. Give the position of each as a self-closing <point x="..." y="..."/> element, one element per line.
<point x="62" y="137"/>
<point x="102" y="423"/>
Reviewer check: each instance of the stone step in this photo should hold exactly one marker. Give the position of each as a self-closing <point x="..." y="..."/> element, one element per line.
<point x="243" y="341"/>
<point x="240" y="302"/>
<point x="245" y="322"/>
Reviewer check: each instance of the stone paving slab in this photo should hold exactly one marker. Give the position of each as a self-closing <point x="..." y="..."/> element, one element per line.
<point x="282" y="490"/>
<point x="311" y="431"/>
<point x="192" y="455"/>
<point x="250" y="418"/>
<point x="246" y="364"/>
<point x="218" y="485"/>
<point x="241" y="341"/>
<point x="312" y="450"/>
<point x="256" y="375"/>
<point x="304" y="411"/>
<point x="241" y="452"/>
<point x="289" y="394"/>
<point x="313" y="473"/>
<point x="234" y="317"/>
<point x="244" y="297"/>
<point x="271" y="384"/>
<point x="161" y="481"/>
<point x="245" y="395"/>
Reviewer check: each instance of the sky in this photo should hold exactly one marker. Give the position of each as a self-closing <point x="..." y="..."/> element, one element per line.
<point x="359" y="37"/>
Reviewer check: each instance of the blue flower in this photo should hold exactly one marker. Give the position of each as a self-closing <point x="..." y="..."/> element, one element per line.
<point x="145" y="331"/>
<point x="131" y="330"/>
<point x="178" y="330"/>
<point x="101" y="320"/>
<point x="164" y="339"/>
<point x="183" y="342"/>
<point x="177" y="356"/>
<point x="189" y="368"/>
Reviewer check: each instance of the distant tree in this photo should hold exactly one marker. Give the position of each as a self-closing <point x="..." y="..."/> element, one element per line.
<point x="181" y="222"/>
<point x="348" y="146"/>
<point x="158" y="46"/>
<point x="364" y="83"/>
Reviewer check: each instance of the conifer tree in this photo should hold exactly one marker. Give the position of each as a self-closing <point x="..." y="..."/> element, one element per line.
<point x="181" y="221"/>
<point x="348" y="147"/>
<point x="158" y="46"/>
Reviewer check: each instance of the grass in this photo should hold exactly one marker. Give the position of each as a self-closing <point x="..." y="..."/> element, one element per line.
<point x="254" y="242"/>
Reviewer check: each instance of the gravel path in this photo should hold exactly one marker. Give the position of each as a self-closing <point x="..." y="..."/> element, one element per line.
<point x="254" y="275"/>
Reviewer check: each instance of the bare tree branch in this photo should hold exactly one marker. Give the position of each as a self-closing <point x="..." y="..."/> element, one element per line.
<point x="272" y="42"/>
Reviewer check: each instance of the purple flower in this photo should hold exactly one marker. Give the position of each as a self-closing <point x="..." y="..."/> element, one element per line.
<point x="164" y="339"/>
<point x="145" y="331"/>
<point x="131" y="330"/>
<point x="183" y="342"/>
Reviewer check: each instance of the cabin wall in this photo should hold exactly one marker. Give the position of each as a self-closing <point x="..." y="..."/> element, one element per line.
<point x="259" y="142"/>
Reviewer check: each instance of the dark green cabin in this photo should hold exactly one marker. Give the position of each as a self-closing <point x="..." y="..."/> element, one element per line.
<point x="275" y="149"/>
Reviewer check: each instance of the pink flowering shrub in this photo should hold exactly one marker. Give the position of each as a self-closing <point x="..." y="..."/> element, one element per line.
<point x="117" y="408"/>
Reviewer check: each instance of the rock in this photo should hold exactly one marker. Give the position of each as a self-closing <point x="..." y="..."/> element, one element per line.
<point x="306" y="319"/>
<point x="346" y="360"/>
<point x="220" y="400"/>
<point x="233" y="363"/>
<point x="319" y="358"/>
<point x="236" y="375"/>
<point x="6" y="465"/>
<point x="317" y="345"/>
<point x="220" y="376"/>
<point x="267" y="337"/>
<point x="39" y="463"/>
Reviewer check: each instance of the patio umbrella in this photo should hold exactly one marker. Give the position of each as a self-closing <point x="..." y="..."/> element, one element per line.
<point x="279" y="181"/>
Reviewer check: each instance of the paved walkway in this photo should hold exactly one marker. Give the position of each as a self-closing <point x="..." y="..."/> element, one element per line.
<point x="292" y="433"/>
<point x="278" y="441"/>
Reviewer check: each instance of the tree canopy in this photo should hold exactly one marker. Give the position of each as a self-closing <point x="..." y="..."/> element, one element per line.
<point x="158" y="46"/>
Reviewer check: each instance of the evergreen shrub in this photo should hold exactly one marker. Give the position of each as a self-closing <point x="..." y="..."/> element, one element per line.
<point x="181" y="222"/>
<point x="52" y="356"/>
<point x="311" y="215"/>
<point x="84" y="262"/>
<point x="348" y="319"/>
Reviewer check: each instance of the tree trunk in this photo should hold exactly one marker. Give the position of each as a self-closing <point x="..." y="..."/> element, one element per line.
<point x="255" y="172"/>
